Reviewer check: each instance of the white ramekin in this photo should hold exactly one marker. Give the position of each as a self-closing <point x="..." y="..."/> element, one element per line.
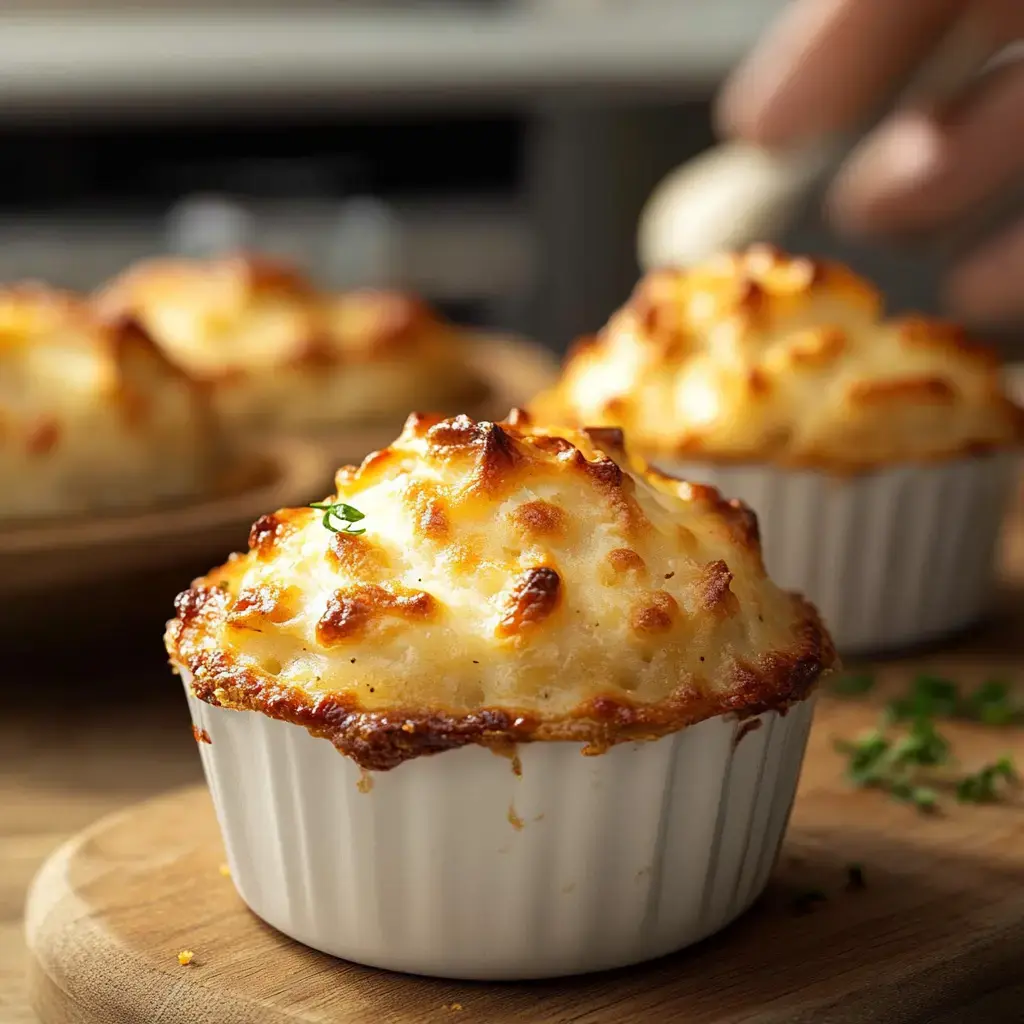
<point x="891" y="558"/>
<point x="468" y="865"/>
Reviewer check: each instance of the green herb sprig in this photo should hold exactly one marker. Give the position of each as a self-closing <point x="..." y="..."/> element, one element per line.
<point x="984" y="786"/>
<point x="903" y="763"/>
<point x="930" y="696"/>
<point x="345" y="514"/>
<point x="891" y="764"/>
<point x="991" y="703"/>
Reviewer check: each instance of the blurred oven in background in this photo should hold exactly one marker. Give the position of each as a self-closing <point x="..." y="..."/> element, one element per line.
<point x="431" y="204"/>
<point x="492" y="154"/>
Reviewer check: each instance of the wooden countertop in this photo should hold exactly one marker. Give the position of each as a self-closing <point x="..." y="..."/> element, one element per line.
<point x="77" y="741"/>
<point x="90" y="732"/>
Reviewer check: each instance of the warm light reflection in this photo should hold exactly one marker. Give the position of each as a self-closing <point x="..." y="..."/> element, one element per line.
<point x="698" y="400"/>
<point x="607" y="380"/>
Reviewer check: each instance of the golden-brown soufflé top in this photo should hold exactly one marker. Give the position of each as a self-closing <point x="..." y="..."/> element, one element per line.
<point x="92" y="415"/>
<point x="760" y="356"/>
<point x="512" y="583"/>
<point x="273" y="349"/>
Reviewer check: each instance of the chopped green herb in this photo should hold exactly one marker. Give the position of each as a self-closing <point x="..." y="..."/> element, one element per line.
<point x="922" y="745"/>
<point x="867" y="757"/>
<point x="929" y="696"/>
<point x="805" y="902"/>
<point x="992" y="703"/>
<point x="854" y="684"/>
<point x="346" y="514"/>
<point x="983" y="787"/>
<point x="900" y="756"/>
<point x="924" y="798"/>
<point x="893" y="765"/>
<point x="855" y="877"/>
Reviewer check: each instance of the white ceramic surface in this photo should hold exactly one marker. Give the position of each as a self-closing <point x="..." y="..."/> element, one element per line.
<point x="454" y="865"/>
<point x="892" y="558"/>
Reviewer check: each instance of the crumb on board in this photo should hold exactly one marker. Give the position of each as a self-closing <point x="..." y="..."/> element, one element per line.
<point x="855" y="880"/>
<point x="454" y="1007"/>
<point x="185" y="957"/>
<point x="805" y="902"/>
<point x="225" y="870"/>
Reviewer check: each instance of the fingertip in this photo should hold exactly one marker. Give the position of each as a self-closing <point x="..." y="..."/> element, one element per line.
<point x="746" y="110"/>
<point x="733" y="115"/>
<point x="746" y="122"/>
<point x="850" y="207"/>
<point x="968" y="294"/>
<point x="985" y="287"/>
<point x="727" y="121"/>
<point x="882" y="188"/>
<point x="845" y="217"/>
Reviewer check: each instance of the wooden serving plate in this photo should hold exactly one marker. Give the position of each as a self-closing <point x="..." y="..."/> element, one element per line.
<point x="936" y="936"/>
<point x="78" y="552"/>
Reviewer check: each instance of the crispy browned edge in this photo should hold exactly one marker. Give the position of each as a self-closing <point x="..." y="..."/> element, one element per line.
<point x="917" y="329"/>
<point x="381" y="740"/>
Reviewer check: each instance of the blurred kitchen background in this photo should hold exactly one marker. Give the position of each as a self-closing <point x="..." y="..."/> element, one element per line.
<point x="492" y="154"/>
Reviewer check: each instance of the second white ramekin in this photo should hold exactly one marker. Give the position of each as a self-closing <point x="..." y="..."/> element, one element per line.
<point x="891" y="558"/>
<point x="466" y="864"/>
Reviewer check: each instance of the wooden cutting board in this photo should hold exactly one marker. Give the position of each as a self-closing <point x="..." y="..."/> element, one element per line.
<point x="937" y="935"/>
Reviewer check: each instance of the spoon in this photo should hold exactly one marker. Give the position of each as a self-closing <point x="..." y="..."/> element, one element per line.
<point x="737" y="193"/>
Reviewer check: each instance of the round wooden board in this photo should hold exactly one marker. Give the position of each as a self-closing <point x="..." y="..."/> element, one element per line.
<point x="940" y="927"/>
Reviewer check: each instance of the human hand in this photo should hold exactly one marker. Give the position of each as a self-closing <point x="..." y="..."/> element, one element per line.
<point x="829" y="63"/>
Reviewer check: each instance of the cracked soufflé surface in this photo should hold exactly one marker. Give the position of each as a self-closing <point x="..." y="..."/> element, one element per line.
<point x="513" y="583"/>
<point x="763" y="357"/>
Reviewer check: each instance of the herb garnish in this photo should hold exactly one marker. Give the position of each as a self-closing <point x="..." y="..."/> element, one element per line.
<point x="983" y="787"/>
<point x="930" y="696"/>
<point x="892" y="765"/>
<point x="900" y="763"/>
<point x="992" y="703"/>
<point x="340" y="511"/>
<point x="927" y="697"/>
